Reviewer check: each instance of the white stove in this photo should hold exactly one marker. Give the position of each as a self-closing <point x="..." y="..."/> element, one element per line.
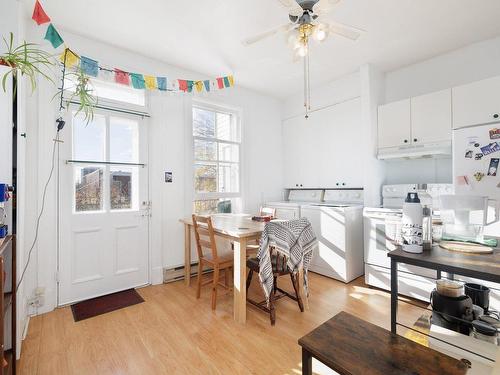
<point x="382" y="231"/>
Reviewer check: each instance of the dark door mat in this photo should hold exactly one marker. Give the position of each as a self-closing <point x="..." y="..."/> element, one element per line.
<point x="105" y="304"/>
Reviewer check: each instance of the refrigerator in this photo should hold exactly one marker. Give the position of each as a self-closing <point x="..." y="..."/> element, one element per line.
<point x="476" y="169"/>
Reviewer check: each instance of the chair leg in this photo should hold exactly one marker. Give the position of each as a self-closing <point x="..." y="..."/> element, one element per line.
<point x="198" y="282"/>
<point x="249" y="279"/>
<point x="275" y="284"/>
<point x="295" y="283"/>
<point x="214" y="287"/>
<point x="227" y="276"/>
<point x="272" y="310"/>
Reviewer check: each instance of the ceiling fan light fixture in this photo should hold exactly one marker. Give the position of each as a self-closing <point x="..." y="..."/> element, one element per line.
<point x="320" y="33"/>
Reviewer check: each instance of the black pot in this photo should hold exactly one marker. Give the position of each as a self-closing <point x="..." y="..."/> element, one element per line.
<point x="453" y="313"/>
<point x="479" y="294"/>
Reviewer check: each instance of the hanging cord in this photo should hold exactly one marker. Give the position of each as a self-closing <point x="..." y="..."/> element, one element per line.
<point x="56" y="140"/>
<point x="60" y="125"/>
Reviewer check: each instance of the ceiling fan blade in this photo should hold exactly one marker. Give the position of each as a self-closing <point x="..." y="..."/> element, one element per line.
<point x="323" y="6"/>
<point x="347" y="31"/>
<point x="267" y="34"/>
<point x="294" y="9"/>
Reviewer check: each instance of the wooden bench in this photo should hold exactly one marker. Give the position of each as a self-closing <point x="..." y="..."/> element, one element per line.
<point x="349" y="345"/>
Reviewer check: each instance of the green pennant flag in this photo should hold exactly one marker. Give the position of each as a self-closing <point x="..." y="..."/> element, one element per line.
<point x="138" y="81"/>
<point x="226" y="82"/>
<point x="53" y="36"/>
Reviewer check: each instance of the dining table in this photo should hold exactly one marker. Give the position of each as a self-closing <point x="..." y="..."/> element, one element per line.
<point x="241" y="230"/>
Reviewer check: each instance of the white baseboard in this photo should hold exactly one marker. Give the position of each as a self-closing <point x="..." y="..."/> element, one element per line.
<point x="157" y="275"/>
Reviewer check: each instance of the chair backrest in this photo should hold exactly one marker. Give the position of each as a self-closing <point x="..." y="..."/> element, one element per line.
<point x="264" y="211"/>
<point x="205" y="237"/>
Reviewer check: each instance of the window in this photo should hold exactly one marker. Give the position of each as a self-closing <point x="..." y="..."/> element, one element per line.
<point x="112" y="92"/>
<point x="107" y="138"/>
<point x="216" y="141"/>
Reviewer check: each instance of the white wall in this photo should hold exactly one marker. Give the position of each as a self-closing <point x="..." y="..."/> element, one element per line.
<point x="169" y="150"/>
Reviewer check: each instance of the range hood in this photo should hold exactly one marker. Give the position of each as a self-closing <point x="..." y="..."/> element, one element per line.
<point x="428" y="150"/>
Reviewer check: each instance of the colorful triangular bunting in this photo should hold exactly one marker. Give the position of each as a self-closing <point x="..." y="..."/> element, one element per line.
<point x="53" y="36"/>
<point x="137" y="81"/>
<point x="207" y="85"/>
<point x="220" y="83"/>
<point x="150" y="82"/>
<point x="122" y="77"/>
<point x="183" y="85"/>
<point x="90" y="67"/>
<point x="39" y="15"/>
<point x="162" y="83"/>
<point x="69" y="58"/>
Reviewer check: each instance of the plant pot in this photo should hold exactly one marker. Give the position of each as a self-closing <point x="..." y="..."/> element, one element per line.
<point x="3" y="62"/>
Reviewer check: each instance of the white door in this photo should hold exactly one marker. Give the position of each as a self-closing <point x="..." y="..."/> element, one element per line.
<point x="394" y="124"/>
<point x="104" y="207"/>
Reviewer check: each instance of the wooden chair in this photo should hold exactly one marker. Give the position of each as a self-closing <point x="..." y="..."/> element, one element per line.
<point x="253" y="249"/>
<point x="279" y="269"/>
<point x="205" y="239"/>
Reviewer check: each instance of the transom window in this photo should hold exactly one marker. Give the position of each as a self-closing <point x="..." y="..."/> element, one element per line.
<point x="216" y="141"/>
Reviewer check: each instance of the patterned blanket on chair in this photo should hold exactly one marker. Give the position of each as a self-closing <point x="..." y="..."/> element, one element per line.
<point x="295" y="239"/>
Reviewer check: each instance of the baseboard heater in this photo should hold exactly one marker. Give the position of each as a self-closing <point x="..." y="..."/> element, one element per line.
<point x="177" y="273"/>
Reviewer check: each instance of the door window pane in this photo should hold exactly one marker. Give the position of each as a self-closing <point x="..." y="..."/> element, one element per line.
<point x="88" y="188"/>
<point x="227" y="129"/>
<point x="123" y="140"/>
<point x="205" y="150"/>
<point x="203" y="123"/>
<point x="205" y="178"/>
<point x="123" y="186"/>
<point x="89" y="139"/>
<point x="229" y="152"/>
<point x="228" y="178"/>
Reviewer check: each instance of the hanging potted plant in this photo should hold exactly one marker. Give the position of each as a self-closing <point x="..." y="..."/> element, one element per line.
<point x="81" y="94"/>
<point x="26" y="59"/>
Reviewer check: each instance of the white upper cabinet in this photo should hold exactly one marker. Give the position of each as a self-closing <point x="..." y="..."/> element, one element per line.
<point x="324" y="150"/>
<point x="394" y="123"/>
<point x="431" y="117"/>
<point x="476" y="103"/>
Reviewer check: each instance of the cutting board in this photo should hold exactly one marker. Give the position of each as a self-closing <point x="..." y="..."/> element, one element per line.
<point x="465" y="247"/>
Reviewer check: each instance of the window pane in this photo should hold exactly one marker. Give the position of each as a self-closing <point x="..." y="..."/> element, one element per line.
<point x="227" y="128"/>
<point x="124" y="188"/>
<point x="228" y="178"/>
<point x="205" y="207"/>
<point x="203" y="123"/>
<point x="89" y="139"/>
<point x="229" y="152"/>
<point x="205" y="150"/>
<point x="205" y="178"/>
<point x="123" y="140"/>
<point x="88" y="188"/>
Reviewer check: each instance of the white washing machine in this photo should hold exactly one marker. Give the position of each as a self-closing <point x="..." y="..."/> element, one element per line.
<point x="290" y="209"/>
<point x="338" y="224"/>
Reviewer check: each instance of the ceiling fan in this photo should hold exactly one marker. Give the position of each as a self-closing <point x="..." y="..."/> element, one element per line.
<point x="306" y="23"/>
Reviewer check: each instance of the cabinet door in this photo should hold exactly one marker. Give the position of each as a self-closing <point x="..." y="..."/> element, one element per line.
<point x="431" y="117"/>
<point x="300" y="144"/>
<point x="476" y="103"/>
<point x="287" y="213"/>
<point x="394" y="124"/>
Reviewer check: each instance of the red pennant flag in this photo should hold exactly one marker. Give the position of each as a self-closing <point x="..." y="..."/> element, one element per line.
<point x="220" y="83"/>
<point x="39" y="15"/>
<point x="183" y="85"/>
<point x="122" y="77"/>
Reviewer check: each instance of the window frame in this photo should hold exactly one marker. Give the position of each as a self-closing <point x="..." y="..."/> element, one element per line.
<point x="236" y="116"/>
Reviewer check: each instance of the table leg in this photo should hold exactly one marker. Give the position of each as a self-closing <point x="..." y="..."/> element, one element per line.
<point x="302" y="294"/>
<point x="394" y="294"/>
<point x="240" y="272"/>
<point x="438" y="274"/>
<point x="306" y="362"/>
<point x="187" y="254"/>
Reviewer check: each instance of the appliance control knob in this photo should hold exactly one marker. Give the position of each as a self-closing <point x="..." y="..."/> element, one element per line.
<point x="300" y="185"/>
<point x="495" y="115"/>
<point x="415" y="140"/>
<point x="343" y="183"/>
<point x="296" y="185"/>
<point x="406" y="141"/>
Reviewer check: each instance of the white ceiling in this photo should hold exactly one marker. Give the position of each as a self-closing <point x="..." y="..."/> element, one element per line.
<point x="205" y="35"/>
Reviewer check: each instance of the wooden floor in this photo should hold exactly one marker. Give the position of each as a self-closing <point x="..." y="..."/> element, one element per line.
<point x="174" y="333"/>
